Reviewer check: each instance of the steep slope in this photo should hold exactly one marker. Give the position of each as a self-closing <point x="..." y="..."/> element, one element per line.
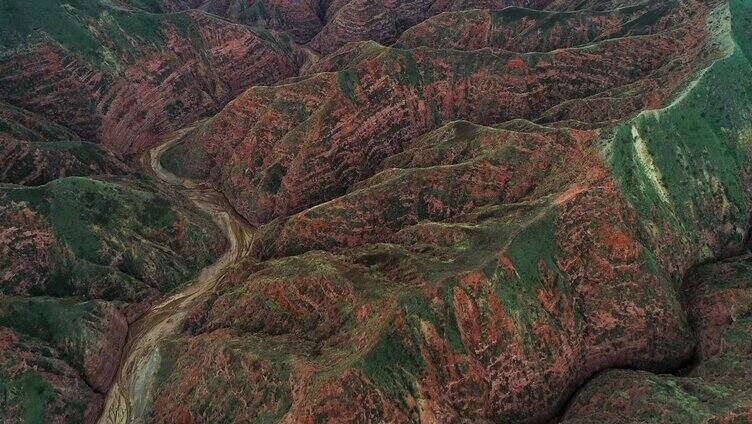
<point x="32" y="153"/>
<point x="278" y="150"/>
<point x="715" y="386"/>
<point x="326" y="26"/>
<point x="80" y="258"/>
<point x="466" y="211"/>
<point x="385" y="21"/>
<point x="529" y="30"/>
<point x="302" y="19"/>
<point x="38" y="163"/>
<point x="715" y="389"/>
<point x="20" y="124"/>
<point x="122" y="77"/>
<point x="421" y="269"/>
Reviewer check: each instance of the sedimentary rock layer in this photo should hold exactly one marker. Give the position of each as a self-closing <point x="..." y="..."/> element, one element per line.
<point x="421" y="269"/>
<point x="123" y="77"/>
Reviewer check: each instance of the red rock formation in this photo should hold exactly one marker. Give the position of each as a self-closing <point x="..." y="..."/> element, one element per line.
<point x="33" y="373"/>
<point x="447" y="230"/>
<point x="528" y="30"/>
<point x="125" y="105"/>
<point x="299" y="19"/>
<point x="112" y="241"/>
<point x="714" y="387"/>
<point x="414" y="268"/>
<point x="27" y="163"/>
<point x="277" y="160"/>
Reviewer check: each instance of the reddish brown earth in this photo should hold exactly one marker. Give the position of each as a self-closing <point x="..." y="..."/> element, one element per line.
<point x="462" y="212"/>
<point x="301" y="19"/>
<point x="326" y="26"/>
<point x="303" y="134"/>
<point x="136" y="86"/>
<point x="715" y="387"/>
<point x="419" y="269"/>
<point x="80" y="259"/>
<point x="34" y="151"/>
<point x="37" y="163"/>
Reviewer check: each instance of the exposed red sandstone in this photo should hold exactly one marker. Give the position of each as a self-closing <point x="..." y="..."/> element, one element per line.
<point x="382" y="97"/>
<point x="448" y="231"/>
<point x="26" y="163"/>
<point x="151" y="89"/>
<point x="416" y="268"/>
<point x="714" y="387"/>
<point x="300" y="19"/>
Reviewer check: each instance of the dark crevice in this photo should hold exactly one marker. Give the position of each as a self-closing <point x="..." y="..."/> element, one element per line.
<point x="684" y="368"/>
<point x="322" y="7"/>
<point x="680" y="370"/>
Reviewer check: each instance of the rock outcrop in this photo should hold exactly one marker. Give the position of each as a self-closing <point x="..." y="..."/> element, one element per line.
<point x="37" y="163"/>
<point x="278" y="150"/>
<point x="465" y="211"/>
<point x="300" y="19"/>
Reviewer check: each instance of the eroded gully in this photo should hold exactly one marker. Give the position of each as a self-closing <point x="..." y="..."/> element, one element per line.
<point x="132" y="389"/>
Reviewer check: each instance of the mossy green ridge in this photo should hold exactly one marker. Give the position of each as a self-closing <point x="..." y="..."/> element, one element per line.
<point x="77" y="330"/>
<point x="103" y="34"/>
<point x="685" y="165"/>
<point x="78" y="25"/>
<point x="78" y="253"/>
<point x="112" y="238"/>
<point x="246" y="379"/>
<point x="37" y="163"/>
<point x="36" y="386"/>
<point x="20" y="124"/>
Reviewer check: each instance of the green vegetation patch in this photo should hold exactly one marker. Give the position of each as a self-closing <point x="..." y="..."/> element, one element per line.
<point x="110" y="231"/>
<point x="684" y="164"/>
<point x="95" y="30"/>
<point x="347" y="81"/>
<point x="186" y="159"/>
<point x="393" y="366"/>
<point x="82" y="211"/>
<point x="30" y="393"/>
<point x="71" y="327"/>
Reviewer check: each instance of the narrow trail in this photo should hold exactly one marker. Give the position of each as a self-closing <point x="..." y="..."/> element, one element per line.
<point x="132" y="389"/>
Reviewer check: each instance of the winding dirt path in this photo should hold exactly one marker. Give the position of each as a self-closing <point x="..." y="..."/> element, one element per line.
<point x="132" y="389"/>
